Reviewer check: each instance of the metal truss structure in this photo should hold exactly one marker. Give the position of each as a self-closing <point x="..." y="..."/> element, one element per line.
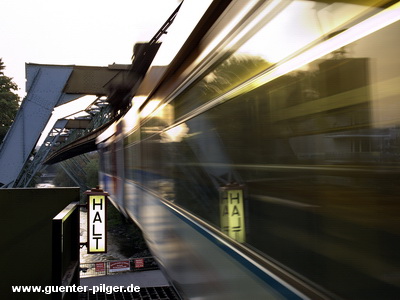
<point x="49" y="87"/>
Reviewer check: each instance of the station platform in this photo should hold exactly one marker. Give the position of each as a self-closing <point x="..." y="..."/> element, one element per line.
<point x="143" y="279"/>
<point x="153" y="285"/>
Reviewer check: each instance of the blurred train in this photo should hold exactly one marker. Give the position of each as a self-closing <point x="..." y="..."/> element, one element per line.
<point x="264" y="160"/>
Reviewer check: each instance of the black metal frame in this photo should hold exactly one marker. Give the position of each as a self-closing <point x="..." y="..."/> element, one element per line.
<point x="65" y="269"/>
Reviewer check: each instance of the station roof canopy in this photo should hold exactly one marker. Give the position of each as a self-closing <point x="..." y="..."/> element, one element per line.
<point x="89" y="80"/>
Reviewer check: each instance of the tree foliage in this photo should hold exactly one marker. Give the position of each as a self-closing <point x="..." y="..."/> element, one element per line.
<point x="90" y="169"/>
<point x="8" y="101"/>
<point x="62" y="179"/>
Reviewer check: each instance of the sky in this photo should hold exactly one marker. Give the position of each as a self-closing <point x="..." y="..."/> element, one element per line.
<point x="75" y="32"/>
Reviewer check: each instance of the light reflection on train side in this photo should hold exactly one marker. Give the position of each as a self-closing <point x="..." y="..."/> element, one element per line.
<point x="314" y="141"/>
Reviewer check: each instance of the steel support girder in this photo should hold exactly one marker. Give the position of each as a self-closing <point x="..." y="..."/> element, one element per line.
<point x="45" y="86"/>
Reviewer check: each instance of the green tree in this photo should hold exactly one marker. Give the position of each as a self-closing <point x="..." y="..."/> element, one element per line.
<point x="92" y="170"/>
<point x="90" y="177"/>
<point x="8" y="101"/>
<point x="62" y="179"/>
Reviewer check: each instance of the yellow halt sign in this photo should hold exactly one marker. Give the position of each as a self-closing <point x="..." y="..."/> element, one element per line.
<point x="97" y="221"/>
<point x="232" y="213"/>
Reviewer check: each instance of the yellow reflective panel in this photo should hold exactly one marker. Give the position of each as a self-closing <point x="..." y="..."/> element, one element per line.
<point x="97" y="224"/>
<point x="232" y="214"/>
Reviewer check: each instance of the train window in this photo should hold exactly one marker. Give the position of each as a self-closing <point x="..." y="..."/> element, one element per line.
<point x="132" y="156"/>
<point x="317" y="151"/>
<point x="107" y="160"/>
<point x="296" y="26"/>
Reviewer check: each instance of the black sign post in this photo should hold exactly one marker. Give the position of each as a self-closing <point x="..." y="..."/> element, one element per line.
<point x="96" y="220"/>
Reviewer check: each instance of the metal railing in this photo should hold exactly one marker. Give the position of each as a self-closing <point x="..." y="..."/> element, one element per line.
<point x="112" y="267"/>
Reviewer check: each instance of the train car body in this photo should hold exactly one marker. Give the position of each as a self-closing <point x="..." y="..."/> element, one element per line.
<point x="263" y="161"/>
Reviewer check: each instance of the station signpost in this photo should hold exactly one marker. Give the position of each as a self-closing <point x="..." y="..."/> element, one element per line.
<point x="232" y="215"/>
<point x="96" y="220"/>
